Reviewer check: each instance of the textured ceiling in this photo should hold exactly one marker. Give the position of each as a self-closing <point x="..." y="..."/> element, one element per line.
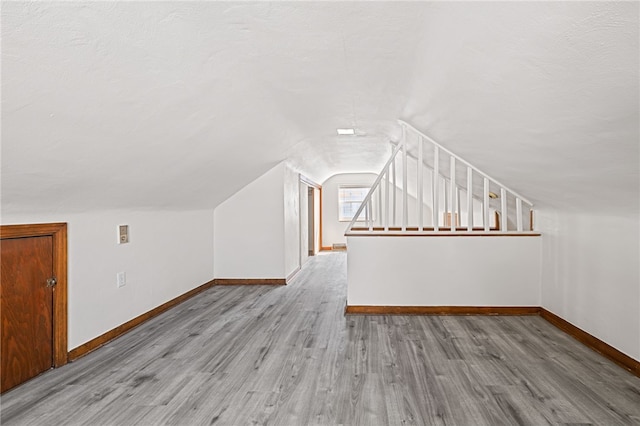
<point x="179" y="104"/>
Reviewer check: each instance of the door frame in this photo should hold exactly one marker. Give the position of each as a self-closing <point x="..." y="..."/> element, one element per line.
<point x="58" y="234"/>
<point x="316" y="186"/>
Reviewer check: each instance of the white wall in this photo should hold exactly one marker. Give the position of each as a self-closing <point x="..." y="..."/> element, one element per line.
<point x="249" y="237"/>
<point x="590" y="274"/>
<point x="444" y="271"/>
<point x="169" y="253"/>
<point x="258" y="230"/>
<point x="291" y="189"/>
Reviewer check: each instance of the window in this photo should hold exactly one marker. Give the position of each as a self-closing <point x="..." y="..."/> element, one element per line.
<point x="349" y="200"/>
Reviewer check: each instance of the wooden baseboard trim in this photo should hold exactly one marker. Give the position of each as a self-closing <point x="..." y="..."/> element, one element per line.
<point x="592" y="342"/>
<point x="441" y="310"/>
<point x="326" y="248"/>
<point x="94" y="344"/>
<point x="250" y="281"/>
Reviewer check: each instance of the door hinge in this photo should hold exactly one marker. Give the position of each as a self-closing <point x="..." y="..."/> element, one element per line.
<point x="51" y="282"/>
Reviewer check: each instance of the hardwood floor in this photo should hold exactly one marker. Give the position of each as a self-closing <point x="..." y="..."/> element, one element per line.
<point x="288" y="356"/>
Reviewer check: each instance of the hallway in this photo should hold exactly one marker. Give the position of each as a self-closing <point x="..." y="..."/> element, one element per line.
<point x="288" y="356"/>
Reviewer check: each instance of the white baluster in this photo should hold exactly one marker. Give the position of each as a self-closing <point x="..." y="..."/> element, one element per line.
<point x="452" y="189"/>
<point x="405" y="192"/>
<point x="469" y="199"/>
<point x="386" y="200"/>
<point x="379" y="192"/>
<point x="394" y="181"/>
<point x="503" y="208"/>
<point x="420" y="183"/>
<point x="435" y="193"/>
<point x="519" y="213"/>
<point x="458" y="216"/>
<point x="485" y="205"/>
<point x="445" y="201"/>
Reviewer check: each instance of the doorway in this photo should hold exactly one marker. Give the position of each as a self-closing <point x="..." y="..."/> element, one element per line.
<point x="311" y="235"/>
<point x="33" y="300"/>
<point x="310" y="219"/>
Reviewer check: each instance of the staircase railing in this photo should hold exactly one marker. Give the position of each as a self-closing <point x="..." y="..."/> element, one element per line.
<point x="424" y="188"/>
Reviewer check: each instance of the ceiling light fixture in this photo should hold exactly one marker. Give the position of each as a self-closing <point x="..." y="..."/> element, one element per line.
<point x="346" y="131"/>
<point x="493" y="195"/>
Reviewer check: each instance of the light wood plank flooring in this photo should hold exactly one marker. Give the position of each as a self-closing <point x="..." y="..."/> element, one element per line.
<point x="288" y="356"/>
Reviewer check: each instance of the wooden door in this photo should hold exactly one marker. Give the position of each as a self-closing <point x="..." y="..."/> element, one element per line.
<point x="26" y="308"/>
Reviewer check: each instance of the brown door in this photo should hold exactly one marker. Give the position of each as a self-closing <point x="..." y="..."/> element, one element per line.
<point x="26" y="308"/>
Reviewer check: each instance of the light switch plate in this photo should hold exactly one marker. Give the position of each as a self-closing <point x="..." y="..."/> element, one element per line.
<point x="123" y="234"/>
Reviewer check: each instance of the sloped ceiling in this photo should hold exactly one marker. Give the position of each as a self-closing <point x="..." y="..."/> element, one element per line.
<point x="177" y="105"/>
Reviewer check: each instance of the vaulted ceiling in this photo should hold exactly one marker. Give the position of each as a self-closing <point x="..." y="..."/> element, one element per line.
<point x="177" y="105"/>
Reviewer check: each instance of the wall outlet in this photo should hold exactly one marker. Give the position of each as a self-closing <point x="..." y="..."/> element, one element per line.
<point x="121" y="279"/>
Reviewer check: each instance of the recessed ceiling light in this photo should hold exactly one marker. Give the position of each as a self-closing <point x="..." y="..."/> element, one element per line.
<point x="346" y="131"/>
